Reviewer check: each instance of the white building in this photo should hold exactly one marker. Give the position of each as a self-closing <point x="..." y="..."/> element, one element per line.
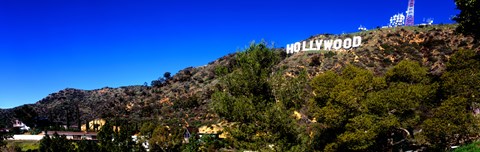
<point x="21" y="125"/>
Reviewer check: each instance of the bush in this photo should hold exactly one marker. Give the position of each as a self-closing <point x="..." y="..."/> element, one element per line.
<point x="315" y="61"/>
<point x="330" y="54"/>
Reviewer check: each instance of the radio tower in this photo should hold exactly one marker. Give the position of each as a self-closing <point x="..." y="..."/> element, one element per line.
<point x="410" y="11"/>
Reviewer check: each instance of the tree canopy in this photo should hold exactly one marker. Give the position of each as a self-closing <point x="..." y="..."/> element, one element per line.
<point x="357" y="111"/>
<point x="246" y="99"/>
<point x="469" y="17"/>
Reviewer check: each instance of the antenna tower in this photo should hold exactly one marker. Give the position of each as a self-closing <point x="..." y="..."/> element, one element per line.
<point x="410" y="11"/>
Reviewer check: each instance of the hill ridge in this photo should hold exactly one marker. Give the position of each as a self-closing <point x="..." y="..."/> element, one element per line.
<point x="185" y="96"/>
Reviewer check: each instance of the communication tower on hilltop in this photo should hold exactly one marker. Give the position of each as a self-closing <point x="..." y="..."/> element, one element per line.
<point x="410" y="11"/>
<point x="362" y="28"/>
<point x="428" y="21"/>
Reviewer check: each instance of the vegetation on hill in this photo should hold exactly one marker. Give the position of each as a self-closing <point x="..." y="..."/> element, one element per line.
<point x="246" y="97"/>
<point x="357" y="111"/>
<point x="187" y="93"/>
<point x="408" y="107"/>
<point x="405" y="88"/>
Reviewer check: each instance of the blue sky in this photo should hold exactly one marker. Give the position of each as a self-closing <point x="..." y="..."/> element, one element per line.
<point x="49" y="45"/>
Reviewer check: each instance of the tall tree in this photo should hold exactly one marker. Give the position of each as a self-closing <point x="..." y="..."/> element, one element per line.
<point x="453" y="121"/>
<point x="167" y="75"/>
<point x="77" y="116"/>
<point x="117" y="137"/>
<point x="469" y="17"/>
<point x="246" y="97"/>
<point x="105" y="137"/>
<point x="290" y="90"/>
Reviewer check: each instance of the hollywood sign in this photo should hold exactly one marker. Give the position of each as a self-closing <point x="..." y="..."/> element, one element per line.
<point x="316" y="45"/>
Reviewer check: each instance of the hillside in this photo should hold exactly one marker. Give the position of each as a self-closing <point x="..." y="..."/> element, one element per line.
<point x="185" y="97"/>
<point x="383" y="48"/>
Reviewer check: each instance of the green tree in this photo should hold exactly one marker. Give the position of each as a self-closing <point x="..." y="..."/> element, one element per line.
<point x="450" y="124"/>
<point x="56" y="143"/>
<point x="166" y="139"/>
<point x="123" y="139"/>
<point x="290" y="90"/>
<point x="147" y="129"/>
<point x="118" y="140"/>
<point x="357" y="111"/>
<point x="337" y="100"/>
<point x="246" y="96"/>
<point x="469" y="17"/>
<point x="453" y="120"/>
<point x="167" y="75"/>
<point x="106" y="136"/>
<point x="462" y="77"/>
<point x="87" y="145"/>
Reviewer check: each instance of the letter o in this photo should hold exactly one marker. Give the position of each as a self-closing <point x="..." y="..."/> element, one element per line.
<point x="337" y="44"/>
<point x="347" y="43"/>
<point x="297" y="47"/>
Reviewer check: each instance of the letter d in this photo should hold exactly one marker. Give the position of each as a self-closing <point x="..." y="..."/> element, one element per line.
<point x="357" y="41"/>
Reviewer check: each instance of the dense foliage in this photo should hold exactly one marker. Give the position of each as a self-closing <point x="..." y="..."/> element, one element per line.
<point x="56" y="143"/>
<point x="358" y="111"/>
<point x="469" y="17"/>
<point x="165" y="138"/>
<point x="355" y="110"/>
<point x="246" y="98"/>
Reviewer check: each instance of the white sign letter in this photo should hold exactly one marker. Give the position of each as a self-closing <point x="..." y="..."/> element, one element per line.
<point x="289" y="48"/>
<point x="304" y="46"/>
<point x="327" y="45"/>
<point x="297" y="47"/>
<point x="337" y="44"/>
<point x="357" y="41"/>
<point x="318" y="43"/>
<point x="347" y="43"/>
<point x="311" y="46"/>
